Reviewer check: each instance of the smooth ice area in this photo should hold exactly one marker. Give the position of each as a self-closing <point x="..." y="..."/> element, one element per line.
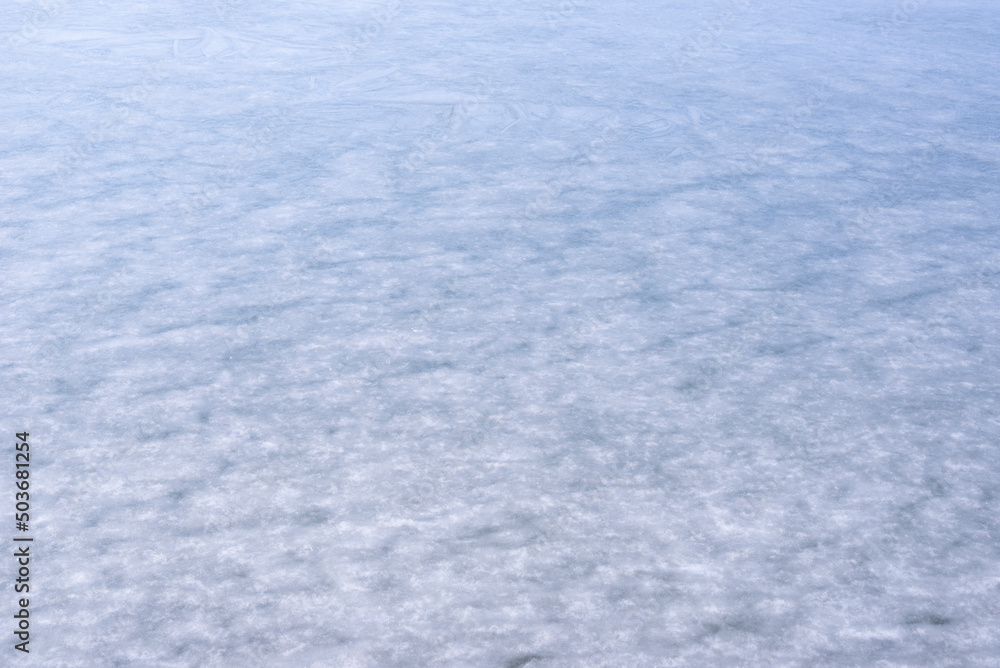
<point x="548" y="333"/>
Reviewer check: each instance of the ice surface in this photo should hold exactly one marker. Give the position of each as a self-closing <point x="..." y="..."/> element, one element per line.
<point x="569" y="333"/>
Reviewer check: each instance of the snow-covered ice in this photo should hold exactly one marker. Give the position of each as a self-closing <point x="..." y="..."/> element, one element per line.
<point x="539" y="333"/>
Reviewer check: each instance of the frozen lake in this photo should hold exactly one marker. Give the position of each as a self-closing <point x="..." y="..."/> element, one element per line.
<point x="522" y="334"/>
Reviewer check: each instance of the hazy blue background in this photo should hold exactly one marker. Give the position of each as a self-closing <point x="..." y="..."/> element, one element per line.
<point x="440" y="333"/>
